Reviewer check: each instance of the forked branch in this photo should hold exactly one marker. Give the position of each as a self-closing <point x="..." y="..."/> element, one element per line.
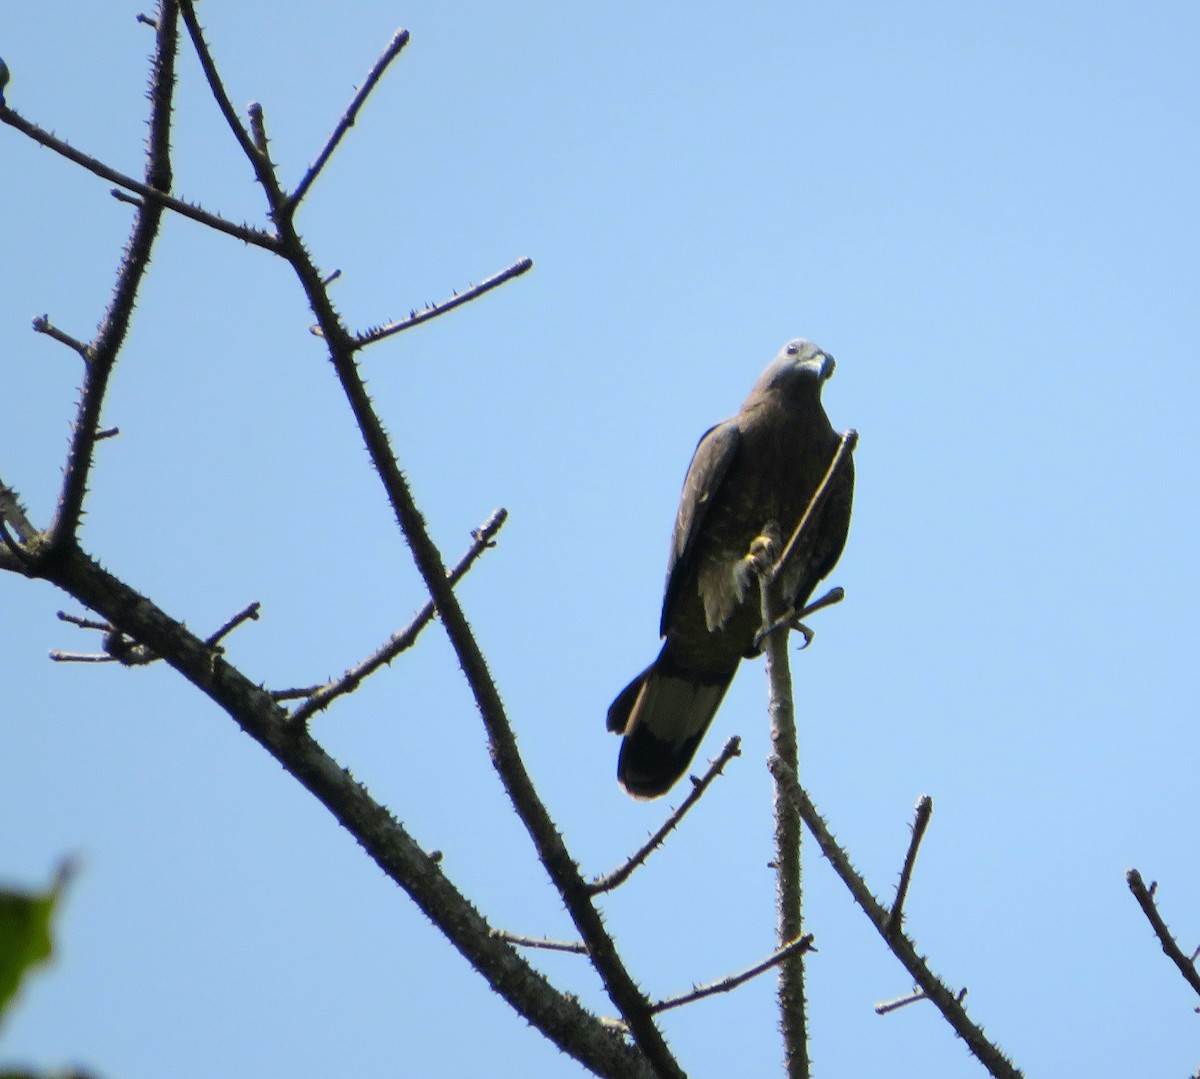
<point x="949" y="1003"/>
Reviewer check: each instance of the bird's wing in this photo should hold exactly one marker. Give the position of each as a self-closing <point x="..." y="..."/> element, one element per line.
<point x="714" y="454"/>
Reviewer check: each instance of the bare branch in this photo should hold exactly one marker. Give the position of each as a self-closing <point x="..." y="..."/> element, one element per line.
<point x="946" y="1001"/>
<point x="606" y="883"/>
<point x="104" y="349"/>
<point x="1145" y="898"/>
<point x="399" y="40"/>
<point x="213" y="77"/>
<point x="886" y="1006"/>
<point x="42" y="324"/>
<point x="321" y="697"/>
<point x="415" y="318"/>
<point x="245" y="233"/>
<point x="799" y="946"/>
<point x="83" y="622"/>
<point x="788" y="891"/>
<point x="59" y="656"/>
<point x="920" y="823"/>
<point x="576" y="947"/>
<point x="557" y="1015"/>
<point x="250" y="613"/>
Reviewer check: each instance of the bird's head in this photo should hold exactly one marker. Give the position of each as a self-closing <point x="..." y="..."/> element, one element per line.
<point x="801" y="367"/>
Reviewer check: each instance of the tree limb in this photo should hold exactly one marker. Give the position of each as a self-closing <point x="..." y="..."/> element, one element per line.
<point x="947" y="1002"/>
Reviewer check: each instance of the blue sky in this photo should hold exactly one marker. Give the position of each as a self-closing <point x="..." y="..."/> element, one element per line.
<point x="988" y="215"/>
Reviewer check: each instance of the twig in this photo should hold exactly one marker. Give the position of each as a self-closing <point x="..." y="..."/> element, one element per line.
<point x="576" y="947"/>
<point x="884" y="1007"/>
<point x="369" y="337"/>
<point x="213" y="77"/>
<point x="799" y="946"/>
<point x="845" y="447"/>
<point x="901" y="946"/>
<point x="107" y="432"/>
<point x="889" y="1006"/>
<point x="83" y="622"/>
<point x="297" y="693"/>
<point x="250" y="613"/>
<point x="606" y="883"/>
<point x="246" y="233"/>
<point x="399" y="40"/>
<point x="920" y="823"/>
<point x="1145" y="898"/>
<point x="59" y="656"/>
<point x="106" y="346"/>
<point x="42" y="324"/>
<point x="322" y="696"/>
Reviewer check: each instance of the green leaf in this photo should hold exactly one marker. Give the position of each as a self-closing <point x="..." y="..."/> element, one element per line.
<point x="25" y="940"/>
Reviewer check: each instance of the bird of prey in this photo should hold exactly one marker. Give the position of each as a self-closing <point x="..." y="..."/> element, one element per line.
<point x="759" y="467"/>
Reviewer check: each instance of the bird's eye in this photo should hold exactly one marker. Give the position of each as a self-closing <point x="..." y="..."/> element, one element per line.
<point x="793" y="349"/>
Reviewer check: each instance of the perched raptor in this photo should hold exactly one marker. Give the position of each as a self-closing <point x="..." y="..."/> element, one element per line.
<point x="760" y="466"/>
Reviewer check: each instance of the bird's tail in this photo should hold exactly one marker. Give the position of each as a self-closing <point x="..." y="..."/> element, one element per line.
<point x="663" y="714"/>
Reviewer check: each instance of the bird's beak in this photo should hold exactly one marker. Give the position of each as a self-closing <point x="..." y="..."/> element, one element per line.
<point x="827" y="366"/>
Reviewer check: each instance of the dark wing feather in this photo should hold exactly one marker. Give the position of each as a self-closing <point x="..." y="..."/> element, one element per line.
<point x="714" y="454"/>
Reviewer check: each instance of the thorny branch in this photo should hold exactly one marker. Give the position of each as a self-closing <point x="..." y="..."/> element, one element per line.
<point x="102" y="352"/>
<point x="135" y="619"/>
<point x="920" y="823"/>
<point x="322" y="697"/>
<point x="1146" y="900"/>
<point x="415" y="318"/>
<point x="724" y="985"/>
<point x="606" y="883"/>
<point x="562" y="869"/>
<point x="399" y="40"/>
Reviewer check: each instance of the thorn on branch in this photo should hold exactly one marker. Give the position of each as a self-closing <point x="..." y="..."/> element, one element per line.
<point x="327" y="281"/>
<point x="146" y="20"/>
<point x="920" y="823"/>
<point x="107" y="432"/>
<point x="606" y="883"/>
